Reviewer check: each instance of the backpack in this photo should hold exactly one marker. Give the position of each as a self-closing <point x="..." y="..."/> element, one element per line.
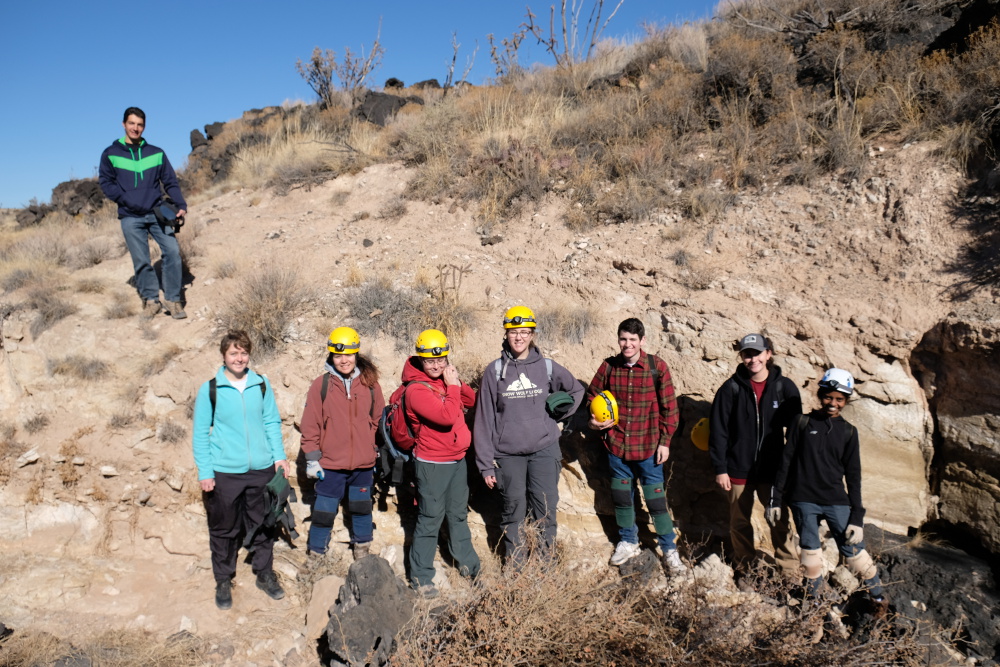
<point x="212" y="388"/>
<point x="396" y="438"/>
<point x="278" y="496"/>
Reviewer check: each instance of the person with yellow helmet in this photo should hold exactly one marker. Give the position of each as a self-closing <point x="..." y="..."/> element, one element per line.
<point x="521" y="398"/>
<point x="750" y="413"/>
<point x="338" y="427"/>
<point x="638" y="442"/>
<point x="436" y="402"/>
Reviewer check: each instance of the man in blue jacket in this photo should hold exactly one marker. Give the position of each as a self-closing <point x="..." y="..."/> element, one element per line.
<point x="132" y="173"/>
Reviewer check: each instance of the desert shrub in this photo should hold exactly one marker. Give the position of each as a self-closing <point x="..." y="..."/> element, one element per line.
<point x="159" y="362"/>
<point x="378" y="307"/>
<point x="36" y="424"/>
<point x="120" y="306"/>
<point x="90" y="286"/>
<point x="7" y="430"/>
<point x="225" y="269"/>
<point x="170" y="431"/>
<point x="22" y="277"/>
<point x="124" y="417"/>
<point x="264" y="304"/>
<point x="705" y="203"/>
<point x="92" y="252"/>
<point x="50" y="306"/>
<point x="567" y="323"/>
<point x="79" y="367"/>
<point x="393" y="209"/>
<point x="111" y="648"/>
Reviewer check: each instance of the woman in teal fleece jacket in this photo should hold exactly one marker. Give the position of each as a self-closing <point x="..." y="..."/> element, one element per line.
<point x="237" y="449"/>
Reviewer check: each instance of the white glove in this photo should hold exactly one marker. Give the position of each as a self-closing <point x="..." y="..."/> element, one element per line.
<point x="854" y="534"/>
<point x="314" y="470"/>
<point x="773" y="516"/>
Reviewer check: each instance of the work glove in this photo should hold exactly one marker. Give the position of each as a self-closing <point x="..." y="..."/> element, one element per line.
<point x="314" y="470"/>
<point x="773" y="516"/>
<point x="854" y="534"/>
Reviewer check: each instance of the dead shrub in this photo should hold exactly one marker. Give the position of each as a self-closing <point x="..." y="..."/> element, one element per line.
<point x="567" y="323"/>
<point x="393" y="209"/>
<point x="170" y="431"/>
<point x="50" y="306"/>
<point x="378" y="307"/>
<point x="79" y="367"/>
<point x="22" y="277"/>
<point x="264" y="304"/>
<point x="90" y="286"/>
<point x="225" y="269"/>
<point x="159" y="362"/>
<point x="705" y="203"/>
<point x="92" y="252"/>
<point x="125" y="417"/>
<point x="120" y="306"/>
<point x="36" y="424"/>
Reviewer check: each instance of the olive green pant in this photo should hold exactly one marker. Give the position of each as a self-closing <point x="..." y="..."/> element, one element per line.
<point x="442" y="493"/>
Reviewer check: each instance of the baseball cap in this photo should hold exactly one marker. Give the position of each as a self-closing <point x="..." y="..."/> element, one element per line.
<point x="754" y="341"/>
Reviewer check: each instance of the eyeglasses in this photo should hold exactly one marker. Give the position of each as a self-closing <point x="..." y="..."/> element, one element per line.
<point x="511" y="333"/>
<point x="435" y="361"/>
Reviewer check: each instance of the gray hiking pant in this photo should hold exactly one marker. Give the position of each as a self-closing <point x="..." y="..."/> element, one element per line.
<point x="529" y="481"/>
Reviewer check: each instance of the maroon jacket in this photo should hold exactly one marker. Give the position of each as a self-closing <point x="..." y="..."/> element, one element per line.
<point x="340" y="434"/>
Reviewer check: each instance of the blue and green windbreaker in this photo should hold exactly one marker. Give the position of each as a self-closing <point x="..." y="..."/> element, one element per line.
<point x="130" y="175"/>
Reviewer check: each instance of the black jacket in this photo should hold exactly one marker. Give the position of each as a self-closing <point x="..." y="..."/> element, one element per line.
<point x="819" y="458"/>
<point x="746" y="440"/>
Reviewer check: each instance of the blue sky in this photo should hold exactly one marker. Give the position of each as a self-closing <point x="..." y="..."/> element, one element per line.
<point x="69" y="69"/>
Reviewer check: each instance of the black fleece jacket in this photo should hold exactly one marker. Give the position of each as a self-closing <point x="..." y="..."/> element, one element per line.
<point x="746" y="440"/>
<point x="818" y="459"/>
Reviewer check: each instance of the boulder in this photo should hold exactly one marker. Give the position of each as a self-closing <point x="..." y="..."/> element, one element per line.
<point x="393" y="82"/>
<point x="372" y="606"/>
<point x="78" y="197"/>
<point x="427" y="83"/>
<point x="197" y="139"/>
<point x="212" y="130"/>
<point x="378" y="108"/>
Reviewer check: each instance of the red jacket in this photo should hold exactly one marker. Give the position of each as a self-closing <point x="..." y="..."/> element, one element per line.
<point x="342" y="430"/>
<point x="437" y="414"/>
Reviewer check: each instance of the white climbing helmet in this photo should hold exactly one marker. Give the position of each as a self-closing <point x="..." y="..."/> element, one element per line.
<point x="837" y="379"/>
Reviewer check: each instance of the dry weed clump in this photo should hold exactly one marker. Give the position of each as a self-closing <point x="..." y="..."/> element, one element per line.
<point x="90" y="286"/>
<point x="225" y="269"/>
<point x="159" y="362"/>
<point x="111" y="648"/>
<point x="120" y="306"/>
<point x="379" y="307"/>
<point x="36" y="424"/>
<point x="50" y="306"/>
<point x="567" y="323"/>
<point x="170" y="431"/>
<point x="79" y="367"/>
<point x="264" y="304"/>
<point x="94" y="251"/>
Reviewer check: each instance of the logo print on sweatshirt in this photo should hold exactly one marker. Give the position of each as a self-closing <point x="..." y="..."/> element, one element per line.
<point x="522" y="387"/>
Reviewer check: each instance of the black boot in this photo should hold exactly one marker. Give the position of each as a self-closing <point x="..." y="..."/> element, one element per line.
<point x="224" y="594"/>
<point x="267" y="581"/>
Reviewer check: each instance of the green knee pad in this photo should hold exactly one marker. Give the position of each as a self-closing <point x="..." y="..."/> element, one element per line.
<point x="621" y="496"/>
<point x="656" y="501"/>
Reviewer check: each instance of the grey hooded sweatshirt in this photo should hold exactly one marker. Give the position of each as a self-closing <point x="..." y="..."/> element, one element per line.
<point x="510" y="411"/>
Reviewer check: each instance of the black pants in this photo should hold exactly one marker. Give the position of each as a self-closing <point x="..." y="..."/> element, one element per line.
<point x="237" y="502"/>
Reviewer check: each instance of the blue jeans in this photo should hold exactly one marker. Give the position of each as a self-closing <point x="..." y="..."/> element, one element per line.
<point x="646" y="472"/>
<point x="137" y="232"/>
<point x="807" y="517"/>
<point x="330" y="492"/>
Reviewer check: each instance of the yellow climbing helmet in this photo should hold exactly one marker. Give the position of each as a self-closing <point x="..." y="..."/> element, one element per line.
<point x="517" y="317"/>
<point x="343" y="340"/>
<point x="699" y="434"/>
<point x="604" y="407"/>
<point x="432" y="343"/>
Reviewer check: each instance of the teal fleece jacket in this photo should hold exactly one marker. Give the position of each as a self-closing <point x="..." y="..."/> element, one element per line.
<point x="247" y="431"/>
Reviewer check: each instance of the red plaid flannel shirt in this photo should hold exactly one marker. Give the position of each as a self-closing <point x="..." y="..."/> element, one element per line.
<point x="645" y="420"/>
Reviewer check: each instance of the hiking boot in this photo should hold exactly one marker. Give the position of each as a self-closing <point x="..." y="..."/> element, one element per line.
<point x="267" y="581"/>
<point x="150" y="309"/>
<point x="624" y="552"/>
<point x="224" y="594"/>
<point x="427" y="591"/>
<point x="174" y="309"/>
<point x="672" y="562"/>
<point x="361" y="549"/>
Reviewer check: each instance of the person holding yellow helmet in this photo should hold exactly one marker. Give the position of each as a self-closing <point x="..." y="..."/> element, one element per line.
<point x="436" y="401"/>
<point x="338" y="427"/>
<point x="521" y="398"/>
<point x="750" y="412"/>
<point x="638" y="442"/>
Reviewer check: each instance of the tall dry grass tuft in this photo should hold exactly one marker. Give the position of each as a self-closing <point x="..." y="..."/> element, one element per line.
<point x="111" y="648"/>
<point x="264" y="304"/>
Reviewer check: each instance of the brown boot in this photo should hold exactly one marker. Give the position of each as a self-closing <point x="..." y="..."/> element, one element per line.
<point x="361" y="550"/>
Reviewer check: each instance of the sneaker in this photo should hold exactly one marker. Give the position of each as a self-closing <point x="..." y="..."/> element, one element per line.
<point x="672" y="561"/>
<point x="175" y="309"/>
<point x="151" y="309"/>
<point x="624" y="552"/>
<point x="361" y="549"/>
<point x="427" y="591"/>
<point x="224" y="594"/>
<point x="267" y="581"/>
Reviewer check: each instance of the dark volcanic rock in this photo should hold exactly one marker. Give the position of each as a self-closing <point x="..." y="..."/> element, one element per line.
<point x="197" y="139"/>
<point x="378" y="108"/>
<point x="81" y="196"/>
<point x="372" y="606"/>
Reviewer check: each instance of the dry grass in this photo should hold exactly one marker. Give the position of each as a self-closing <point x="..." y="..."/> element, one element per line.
<point x="124" y="417"/>
<point x="90" y="286"/>
<point x="225" y="269"/>
<point x="111" y="648"/>
<point x="393" y="209"/>
<point x="79" y="367"/>
<point x="159" y="362"/>
<point x="170" y="431"/>
<point x="94" y="251"/>
<point x="264" y="304"/>
<point x="36" y="424"/>
<point x="120" y="306"/>
<point x="567" y="323"/>
<point x="51" y="308"/>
